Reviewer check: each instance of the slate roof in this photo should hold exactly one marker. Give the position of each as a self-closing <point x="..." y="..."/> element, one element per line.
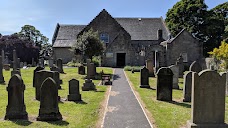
<point x="138" y="28"/>
<point x="67" y="35"/>
<point x="143" y="28"/>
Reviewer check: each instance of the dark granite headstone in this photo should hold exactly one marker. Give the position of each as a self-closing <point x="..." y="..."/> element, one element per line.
<point x="81" y="70"/>
<point x="164" y="84"/>
<point x="187" y="88"/>
<point x="1" y="74"/>
<point x="41" y="76"/>
<point x="16" y="107"/>
<point x="74" y="94"/>
<point x="208" y="100"/>
<point x="144" y="78"/>
<point x="88" y="85"/>
<point x="60" y="65"/>
<point x="195" y="67"/>
<point x="34" y="74"/>
<point x="49" y="109"/>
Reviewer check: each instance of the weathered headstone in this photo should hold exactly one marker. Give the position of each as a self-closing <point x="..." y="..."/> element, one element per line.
<point x="14" y="72"/>
<point x="49" y="109"/>
<point x="208" y="100"/>
<point x="187" y="89"/>
<point x="180" y="64"/>
<point x="93" y="70"/>
<point x="34" y="74"/>
<point x="54" y="68"/>
<point x="60" y="65"/>
<point x="144" y="78"/>
<point x="51" y="62"/>
<point x="18" y="63"/>
<point x="3" y="56"/>
<point x="74" y="94"/>
<point x="150" y="67"/>
<point x="175" y="70"/>
<point x="33" y="63"/>
<point x="42" y="62"/>
<point x="164" y="84"/>
<point x="16" y="107"/>
<point x="195" y="67"/>
<point x="41" y="76"/>
<point x="88" y="85"/>
<point x="1" y="74"/>
<point x="81" y="70"/>
<point x="14" y="60"/>
<point x="90" y="71"/>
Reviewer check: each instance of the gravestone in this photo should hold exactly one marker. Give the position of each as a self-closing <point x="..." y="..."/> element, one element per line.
<point x="14" y="72"/>
<point x="16" y="107"/>
<point x="93" y="70"/>
<point x="1" y="73"/>
<point x="60" y="65"/>
<point x="187" y="89"/>
<point x="42" y="62"/>
<point x="33" y="63"/>
<point x="150" y="67"/>
<point x="74" y="94"/>
<point x="18" y="63"/>
<point x="34" y="74"/>
<point x="81" y="70"/>
<point x="54" y="68"/>
<point x="144" y="78"/>
<point x="175" y="70"/>
<point x="90" y="71"/>
<point x="51" y="62"/>
<point x="3" y="56"/>
<point x="195" y="67"/>
<point x="41" y="76"/>
<point x="180" y="64"/>
<point x="164" y="84"/>
<point x="88" y="85"/>
<point x="6" y="67"/>
<point x="14" y="60"/>
<point x="49" y="109"/>
<point x="208" y="100"/>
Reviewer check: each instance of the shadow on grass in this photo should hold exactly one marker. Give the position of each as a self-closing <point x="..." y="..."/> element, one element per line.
<point x="2" y="83"/>
<point x="22" y="122"/>
<point x="116" y="77"/>
<point x="80" y="102"/>
<point x="60" y="123"/>
<point x="151" y="88"/>
<point x="99" y="91"/>
<point x="180" y="104"/>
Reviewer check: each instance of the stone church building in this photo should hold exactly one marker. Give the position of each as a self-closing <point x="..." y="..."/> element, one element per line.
<point x="130" y="41"/>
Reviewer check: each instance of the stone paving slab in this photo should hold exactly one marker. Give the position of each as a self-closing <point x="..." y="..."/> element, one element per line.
<point x="123" y="109"/>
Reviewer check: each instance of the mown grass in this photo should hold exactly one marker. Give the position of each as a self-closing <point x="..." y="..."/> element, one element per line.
<point x="80" y="115"/>
<point x="166" y="114"/>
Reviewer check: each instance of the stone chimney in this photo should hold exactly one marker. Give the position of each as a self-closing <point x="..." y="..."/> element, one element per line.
<point x="159" y="34"/>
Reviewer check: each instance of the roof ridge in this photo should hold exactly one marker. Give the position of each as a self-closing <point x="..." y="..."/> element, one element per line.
<point x="72" y="25"/>
<point x="136" y="17"/>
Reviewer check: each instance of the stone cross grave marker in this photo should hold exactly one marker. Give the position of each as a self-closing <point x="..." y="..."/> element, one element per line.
<point x="74" y="93"/>
<point x="208" y="100"/>
<point x="81" y="70"/>
<point x="144" y="78"/>
<point x="49" y="108"/>
<point x="16" y="107"/>
<point x="164" y="84"/>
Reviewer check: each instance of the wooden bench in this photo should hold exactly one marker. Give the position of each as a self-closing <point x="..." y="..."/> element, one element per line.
<point x="105" y="79"/>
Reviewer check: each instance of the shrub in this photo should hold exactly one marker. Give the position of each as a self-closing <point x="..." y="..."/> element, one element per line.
<point x="73" y="64"/>
<point x="133" y="68"/>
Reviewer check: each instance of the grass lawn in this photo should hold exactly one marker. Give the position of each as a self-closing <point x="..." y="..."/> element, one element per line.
<point x="166" y="114"/>
<point x="80" y="115"/>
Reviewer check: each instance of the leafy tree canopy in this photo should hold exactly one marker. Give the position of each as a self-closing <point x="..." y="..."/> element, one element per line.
<point x="207" y="26"/>
<point x="89" y="44"/>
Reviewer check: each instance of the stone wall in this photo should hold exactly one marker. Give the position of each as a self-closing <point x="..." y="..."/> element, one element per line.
<point x="184" y="43"/>
<point x="63" y="53"/>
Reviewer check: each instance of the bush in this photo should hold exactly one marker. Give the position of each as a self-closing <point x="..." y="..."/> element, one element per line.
<point x="96" y="60"/>
<point x="133" y="68"/>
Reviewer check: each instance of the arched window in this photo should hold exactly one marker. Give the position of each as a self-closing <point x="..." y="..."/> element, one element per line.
<point x="104" y="37"/>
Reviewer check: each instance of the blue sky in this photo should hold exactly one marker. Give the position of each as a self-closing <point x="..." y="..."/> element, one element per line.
<point x="45" y="14"/>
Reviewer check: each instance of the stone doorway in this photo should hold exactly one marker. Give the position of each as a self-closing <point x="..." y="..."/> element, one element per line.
<point x="120" y="59"/>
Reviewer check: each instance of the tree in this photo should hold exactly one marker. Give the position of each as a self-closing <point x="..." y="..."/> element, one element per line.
<point x="88" y="44"/>
<point x="207" y="26"/>
<point x="221" y="54"/>
<point x="30" y="33"/>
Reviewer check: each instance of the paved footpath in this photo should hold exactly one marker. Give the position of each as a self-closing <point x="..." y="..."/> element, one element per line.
<point x="123" y="109"/>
